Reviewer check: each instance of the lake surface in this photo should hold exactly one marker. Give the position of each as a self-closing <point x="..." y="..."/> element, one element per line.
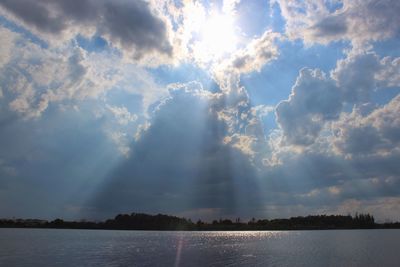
<point x="50" y="247"/>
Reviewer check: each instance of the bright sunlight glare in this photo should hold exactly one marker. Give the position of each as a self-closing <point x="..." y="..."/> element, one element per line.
<point x="217" y="37"/>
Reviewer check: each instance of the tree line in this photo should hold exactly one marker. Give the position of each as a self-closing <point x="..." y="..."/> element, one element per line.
<point x="141" y="221"/>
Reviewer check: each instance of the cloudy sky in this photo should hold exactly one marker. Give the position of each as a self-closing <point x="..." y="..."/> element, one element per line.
<point x="203" y="109"/>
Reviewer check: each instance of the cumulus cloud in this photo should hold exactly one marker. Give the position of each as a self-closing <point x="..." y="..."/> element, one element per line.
<point x="245" y="130"/>
<point x="243" y="121"/>
<point x="120" y="126"/>
<point x="132" y="26"/>
<point x="376" y="133"/>
<point x="389" y="74"/>
<point x="180" y="162"/>
<point x="344" y="157"/>
<point x="314" y="100"/>
<point x="253" y="57"/>
<point x="358" y="21"/>
<point x="355" y="76"/>
<point x="8" y="39"/>
<point x="242" y="55"/>
<point x="122" y="114"/>
<point x="32" y="85"/>
<point x="195" y="151"/>
<point x="256" y="54"/>
<point x="34" y="77"/>
<point x="318" y="98"/>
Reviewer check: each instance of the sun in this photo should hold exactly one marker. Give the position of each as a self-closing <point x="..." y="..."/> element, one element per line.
<point x="217" y="37"/>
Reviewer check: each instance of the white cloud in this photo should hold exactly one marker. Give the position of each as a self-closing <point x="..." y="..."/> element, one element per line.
<point x="256" y="54"/>
<point x="122" y="114"/>
<point x="318" y="98"/>
<point x="34" y="76"/>
<point x="7" y="44"/>
<point x="355" y="76"/>
<point x="122" y="141"/>
<point x="314" y="100"/>
<point x="390" y="72"/>
<point x="229" y="6"/>
<point x="242" y="55"/>
<point x="140" y="82"/>
<point x="376" y="133"/>
<point x="245" y="143"/>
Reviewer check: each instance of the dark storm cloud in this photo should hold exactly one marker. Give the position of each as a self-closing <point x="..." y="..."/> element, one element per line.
<point x="130" y="24"/>
<point x="359" y="21"/>
<point x="35" y="13"/>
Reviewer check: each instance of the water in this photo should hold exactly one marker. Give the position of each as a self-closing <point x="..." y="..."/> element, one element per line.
<point x="45" y="247"/>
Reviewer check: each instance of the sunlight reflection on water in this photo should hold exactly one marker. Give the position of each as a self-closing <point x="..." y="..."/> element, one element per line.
<point x="35" y="247"/>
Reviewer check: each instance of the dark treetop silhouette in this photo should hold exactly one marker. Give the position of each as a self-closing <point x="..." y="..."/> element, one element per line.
<point x="140" y="221"/>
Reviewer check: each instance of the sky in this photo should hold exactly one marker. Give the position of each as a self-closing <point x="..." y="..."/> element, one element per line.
<point x="200" y="109"/>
